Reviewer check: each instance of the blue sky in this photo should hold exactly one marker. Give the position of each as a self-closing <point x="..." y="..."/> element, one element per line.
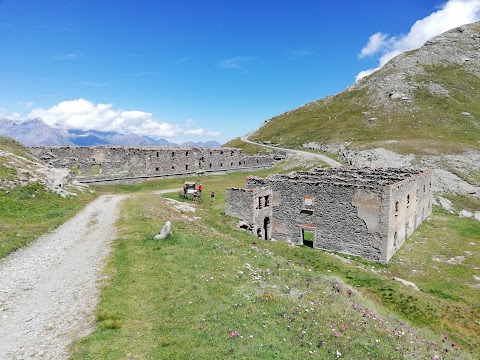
<point x="197" y="70"/>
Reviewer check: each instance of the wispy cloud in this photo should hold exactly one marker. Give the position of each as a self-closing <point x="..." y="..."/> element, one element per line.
<point x="300" y="53"/>
<point x="143" y="73"/>
<point x="67" y="57"/>
<point x="27" y="104"/>
<point x="239" y="62"/>
<point x="183" y="60"/>
<point x="90" y="84"/>
<point x="195" y="132"/>
<point x="453" y="13"/>
<point x="201" y="132"/>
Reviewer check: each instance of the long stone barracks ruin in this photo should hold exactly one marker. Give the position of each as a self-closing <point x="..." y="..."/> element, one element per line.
<point x="122" y="164"/>
<point x="358" y="211"/>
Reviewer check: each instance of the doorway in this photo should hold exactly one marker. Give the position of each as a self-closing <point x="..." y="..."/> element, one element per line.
<point x="266" y="228"/>
<point x="308" y="237"/>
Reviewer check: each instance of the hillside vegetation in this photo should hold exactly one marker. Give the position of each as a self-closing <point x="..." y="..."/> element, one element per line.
<point x="214" y="292"/>
<point x="426" y="101"/>
<point x="30" y="204"/>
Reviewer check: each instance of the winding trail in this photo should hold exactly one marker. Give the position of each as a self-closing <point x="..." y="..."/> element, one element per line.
<point x="302" y="154"/>
<point x="49" y="290"/>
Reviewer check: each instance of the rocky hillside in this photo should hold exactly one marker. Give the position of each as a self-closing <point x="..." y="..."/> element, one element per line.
<point x="421" y="109"/>
<point x="19" y="168"/>
<point x="425" y="101"/>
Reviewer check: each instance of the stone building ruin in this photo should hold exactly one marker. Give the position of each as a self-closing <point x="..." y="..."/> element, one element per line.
<point x="358" y="211"/>
<point x="122" y="163"/>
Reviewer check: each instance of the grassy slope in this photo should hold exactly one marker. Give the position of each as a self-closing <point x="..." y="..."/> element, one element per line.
<point x="12" y="146"/>
<point x="432" y="125"/>
<point x="15" y="147"/>
<point x="180" y="298"/>
<point x="30" y="211"/>
<point x="247" y="147"/>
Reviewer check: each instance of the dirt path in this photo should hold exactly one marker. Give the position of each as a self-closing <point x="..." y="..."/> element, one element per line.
<point x="48" y="291"/>
<point x="302" y="154"/>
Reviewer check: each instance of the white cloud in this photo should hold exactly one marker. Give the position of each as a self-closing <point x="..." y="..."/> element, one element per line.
<point x="375" y="43"/>
<point x="85" y="115"/>
<point x="201" y="131"/>
<point x="453" y="13"/>
<point x="8" y="115"/>
<point x="213" y="133"/>
<point x="238" y="62"/>
<point x="195" y="132"/>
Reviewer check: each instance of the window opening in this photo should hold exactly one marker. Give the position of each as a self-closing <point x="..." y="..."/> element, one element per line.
<point x="308" y="200"/>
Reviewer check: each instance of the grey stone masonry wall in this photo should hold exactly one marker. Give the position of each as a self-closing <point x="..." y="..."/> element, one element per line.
<point x="99" y="163"/>
<point x="348" y="210"/>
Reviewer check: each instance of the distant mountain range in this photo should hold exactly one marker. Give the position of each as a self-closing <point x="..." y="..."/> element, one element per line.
<point x="35" y="132"/>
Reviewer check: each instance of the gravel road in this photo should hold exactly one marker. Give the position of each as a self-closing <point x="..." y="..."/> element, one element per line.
<point x="48" y="291"/>
<point x="299" y="153"/>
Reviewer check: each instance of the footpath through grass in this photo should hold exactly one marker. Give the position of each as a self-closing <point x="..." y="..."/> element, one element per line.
<point x="31" y="211"/>
<point x="209" y="292"/>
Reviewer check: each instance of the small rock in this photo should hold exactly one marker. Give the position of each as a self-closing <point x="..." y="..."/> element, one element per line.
<point x="446" y="204"/>
<point x="465" y="214"/>
<point x="397" y="96"/>
<point x="165" y="232"/>
<point x="405" y="282"/>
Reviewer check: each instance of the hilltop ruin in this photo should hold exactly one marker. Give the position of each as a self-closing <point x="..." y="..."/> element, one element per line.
<point x="121" y="164"/>
<point x="359" y="211"/>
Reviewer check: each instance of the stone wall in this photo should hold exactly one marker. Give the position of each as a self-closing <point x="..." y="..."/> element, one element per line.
<point x="346" y="210"/>
<point x="114" y="163"/>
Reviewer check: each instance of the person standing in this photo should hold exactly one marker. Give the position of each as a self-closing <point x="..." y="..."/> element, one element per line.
<point x="212" y="195"/>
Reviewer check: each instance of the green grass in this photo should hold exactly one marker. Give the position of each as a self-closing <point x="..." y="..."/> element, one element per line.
<point x="30" y="211"/>
<point x="188" y="296"/>
<point x="248" y="148"/>
<point x="15" y="147"/>
<point x="208" y="294"/>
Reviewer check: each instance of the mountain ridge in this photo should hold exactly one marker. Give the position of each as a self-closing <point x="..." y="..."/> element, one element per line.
<point x="35" y="132"/>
